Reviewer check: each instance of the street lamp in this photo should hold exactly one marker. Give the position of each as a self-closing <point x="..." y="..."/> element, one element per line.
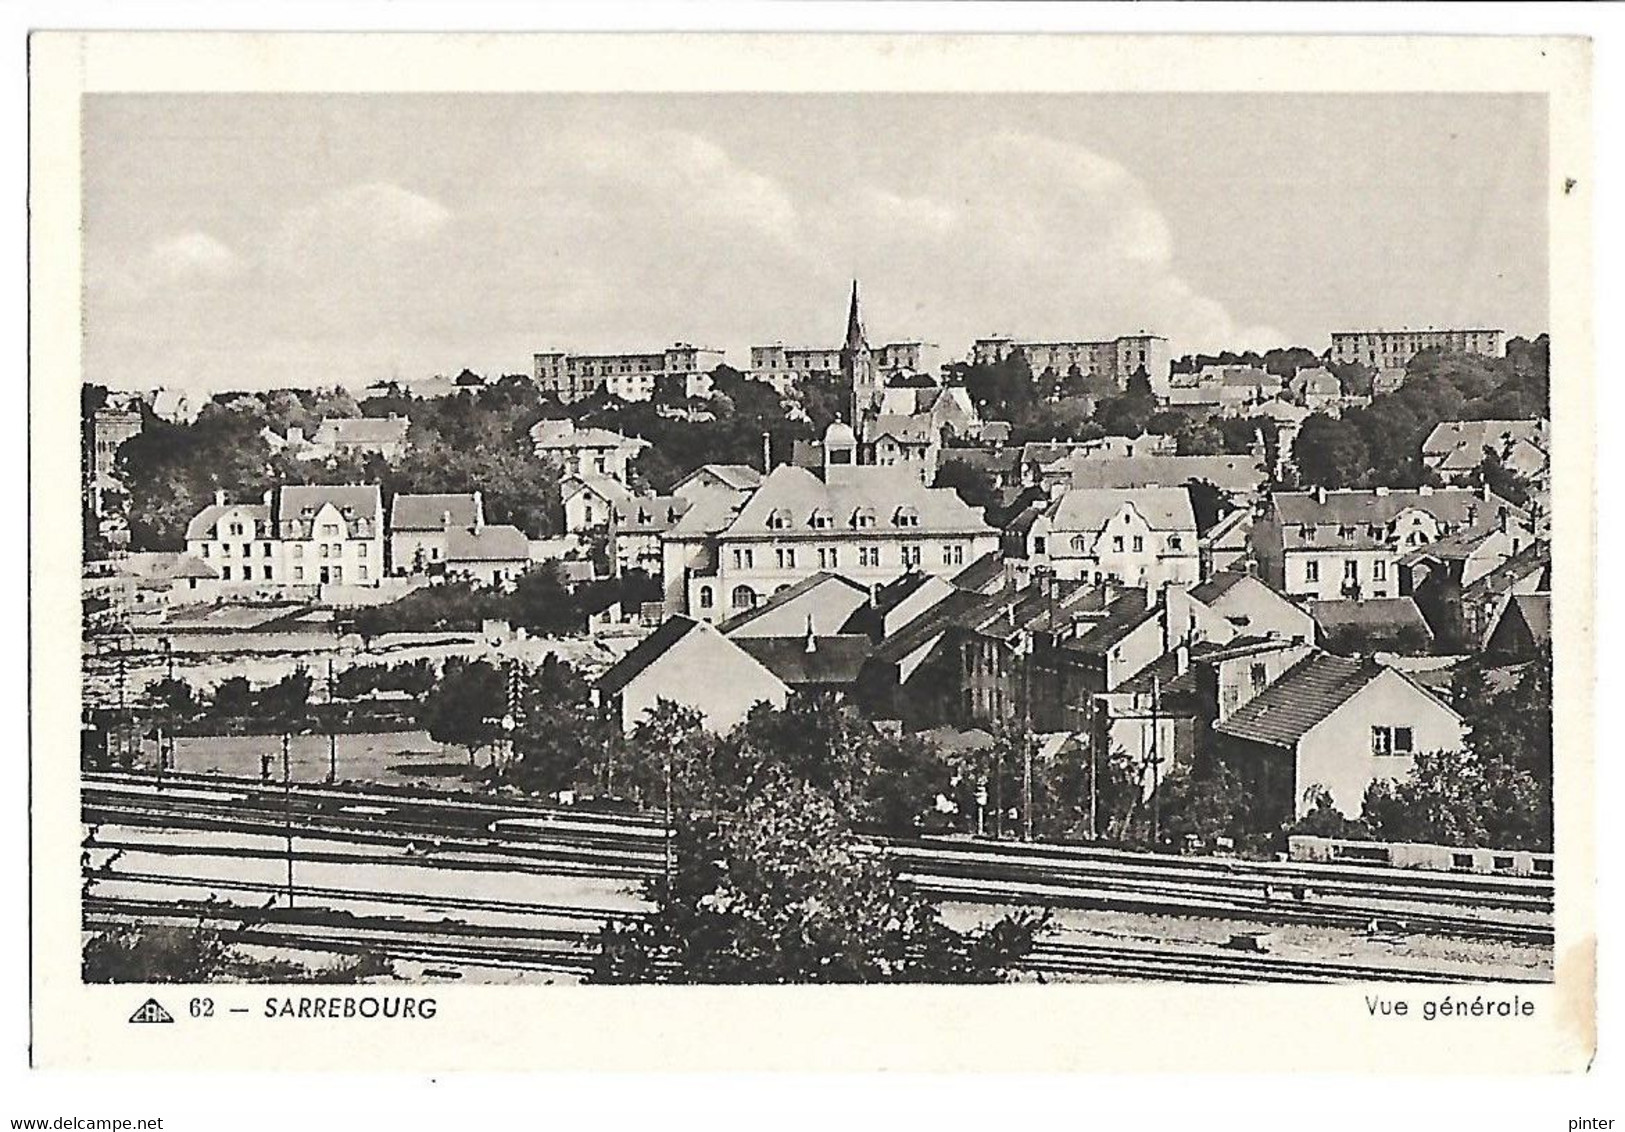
<point x="981" y="808"/>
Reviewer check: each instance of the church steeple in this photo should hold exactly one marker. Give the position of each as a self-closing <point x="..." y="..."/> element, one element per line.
<point x="855" y="339"/>
<point x="858" y="371"/>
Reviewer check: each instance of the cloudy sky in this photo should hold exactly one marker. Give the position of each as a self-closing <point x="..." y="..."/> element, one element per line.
<point x="236" y="241"/>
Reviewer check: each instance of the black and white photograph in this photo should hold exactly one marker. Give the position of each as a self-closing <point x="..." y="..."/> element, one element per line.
<point x="810" y="553"/>
<point x="816" y="538"/>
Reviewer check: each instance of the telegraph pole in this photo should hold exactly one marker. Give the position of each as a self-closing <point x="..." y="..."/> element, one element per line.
<point x="332" y="737"/>
<point x="287" y="809"/>
<point x="669" y="863"/>
<point x="1156" y="758"/>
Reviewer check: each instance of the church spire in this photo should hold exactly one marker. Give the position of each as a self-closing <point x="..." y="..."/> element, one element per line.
<point x="854" y="323"/>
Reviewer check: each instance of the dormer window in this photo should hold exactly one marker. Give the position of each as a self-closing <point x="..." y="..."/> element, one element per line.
<point x="821" y="519"/>
<point x="1346" y="530"/>
<point x="778" y="519"/>
<point x="907" y="517"/>
<point x="1308" y="532"/>
<point x="863" y="517"/>
<point x="1374" y="530"/>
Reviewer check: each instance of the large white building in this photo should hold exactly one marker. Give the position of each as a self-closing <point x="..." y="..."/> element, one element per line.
<point x="1384" y="349"/>
<point x="630" y="376"/>
<point x="1116" y="359"/>
<point x="1142" y="536"/>
<point x="1349" y="543"/>
<point x="314" y="535"/>
<point x="585" y="451"/>
<point x="870" y="524"/>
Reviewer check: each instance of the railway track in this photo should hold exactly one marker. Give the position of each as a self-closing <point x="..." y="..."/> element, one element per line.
<point x="498" y="834"/>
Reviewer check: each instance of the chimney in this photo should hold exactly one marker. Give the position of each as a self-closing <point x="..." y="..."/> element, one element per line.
<point x="1504" y="520"/>
<point x="1425" y="489"/>
<point x="1182" y="660"/>
<point x="767" y="452"/>
<point x="479" y="523"/>
<point x="479" y="504"/>
<point x="445" y="520"/>
<point x="265" y="498"/>
<point x="812" y="638"/>
<point x="1320" y="496"/>
<point x="1484" y="492"/>
<point x="1108" y="592"/>
<point x="219" y="497"/>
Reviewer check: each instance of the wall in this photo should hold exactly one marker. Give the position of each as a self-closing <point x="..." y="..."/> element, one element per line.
<point x="404" y="547"/>
<point x="1267" y="613"/>
<point x="829" y="603"/>
<point x="708" y="673"/>
<point x="1336" y="753"/>
<point x="765" y="577"/>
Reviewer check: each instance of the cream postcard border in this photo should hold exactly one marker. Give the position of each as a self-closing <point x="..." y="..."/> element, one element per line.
<point x="1019" y="1027"/>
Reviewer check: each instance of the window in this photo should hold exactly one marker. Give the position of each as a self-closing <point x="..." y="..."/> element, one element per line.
<point x="907" y="517"/>
<point x="1258" y="676"/>
<point x="1388" y="741"/>
<point x="828" y="558"/>
<point x="786" y="557"/>
<point x="1345" y="530"/>
<point x="1311" y="571"/>
<point x="863" y="517"/>
<point x="1117" y="544"/>
<point x="868" y="556"/>
<point x="1351" y="569"/>
<point x="953" y="554"/>
<point x="744" y="558"/>
<point x="298" y="573"/>
<point x="1039" y="544"/>
<point x="205" y="550"/>
<point x="330" y="528"/>
<point x="265" y="550"/>
<point x="1379" y="571"/>
<point x="778" y="519"/>
<point x="744" y="597"/>
<point x="911" y="556"/>
<point x="225" y="573"/>
<point x="1139" y="544"/>
<point x="324" y="550"/>
<point x="298" y="550"/>
<point x="1308" y="532"/>
<point x="236" y="529"/>
<point x="361" y="572"/>
<point x="338" y="575"/>
<point x="821" y="520"/>
<point x="1175" y="542"/>
<point x="707" y="597"/>
<point x="248" y="550"/>
<point x="225" y="550"/>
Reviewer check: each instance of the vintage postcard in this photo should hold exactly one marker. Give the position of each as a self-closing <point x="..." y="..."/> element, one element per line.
<point x="811" y="551"/>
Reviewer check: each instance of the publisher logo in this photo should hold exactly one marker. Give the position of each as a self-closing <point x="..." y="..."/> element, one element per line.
<point x="150" y="1011"/>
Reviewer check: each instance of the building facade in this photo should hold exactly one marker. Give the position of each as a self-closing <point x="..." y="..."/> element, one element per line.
<point x="237" y="541"/>
<point x="629" y="376"/>
<point x="1349" y="543"/>
<point x="1115" y="359"/>
<point x="418" y="527"/>
<point x="1385" y="349"/>
<point x="1134" y="536"/>
<point x="331" y="535"/>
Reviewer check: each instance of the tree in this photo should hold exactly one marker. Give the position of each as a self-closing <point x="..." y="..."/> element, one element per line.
<point x="465" y="707"/>
<point x="785" y="892"/>
<point x="1330" y="452"/>
<point x="154" y="953"/>
<point x="174" y="697"/>
<point x="976" y="486"/>
<point x="286" y="701"/>
<point x="1324" y="819"/>
<point x="233" y="697"/>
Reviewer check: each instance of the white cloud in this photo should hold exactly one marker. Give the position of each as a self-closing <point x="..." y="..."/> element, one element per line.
<point x="191" y="256"/>
<point x="363" y="220"/>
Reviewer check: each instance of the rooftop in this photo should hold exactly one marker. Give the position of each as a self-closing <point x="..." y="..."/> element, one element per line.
<point x="429" y="512"/>
<point x="1090" y="509"/>
<point x="1305" y="694"/>
<point x="833" y="661"/>
<point x="491" y="543"/>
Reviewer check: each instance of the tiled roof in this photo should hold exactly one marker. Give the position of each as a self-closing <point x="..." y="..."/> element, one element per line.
<point x="927" y="625"/>
<point x="650" y="514"/>
<point x="202" y="524"/>
<point x="1089" y="509"/>
<point x="1448" y="436"/>
<point x="785" y="597"/>
<point x="904" y="429"/>
<point x="1373" y="615"/>
<point x="1363" y="509"/>
<point x="1452" y="547"/>
<point x="1536" y="610"/>
<point x="1537" y="556"/>
<point x="645" y="653"/>
<point x="293" y="501"/>
<point x="740" y="477"/>
<point x="886" y="493"/>
<point x="834" y="661"/>
<point x="608" y="488"/>
<point x="428" y="512"/>
<point x="553" y="440"/>
<point x="1232" y="473"/>
<point x="981" y="574"/>
<point x="1305" y="694"/>
<point x="709" y="514"/>
<point x="491" y="543"/>
<point x="1126" y="612"/>
<point x="362" y="430"/>
<point x="1218" y="585"/>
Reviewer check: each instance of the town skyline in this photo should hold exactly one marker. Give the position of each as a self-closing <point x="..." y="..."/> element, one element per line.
<point x="319" y="240"/>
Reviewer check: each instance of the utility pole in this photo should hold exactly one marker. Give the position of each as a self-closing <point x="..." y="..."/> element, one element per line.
<point x="669" y="864"/>
<point x="1156" y="758"/>
<point x="287" y="809"/>
<point x="332" y="737"/>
